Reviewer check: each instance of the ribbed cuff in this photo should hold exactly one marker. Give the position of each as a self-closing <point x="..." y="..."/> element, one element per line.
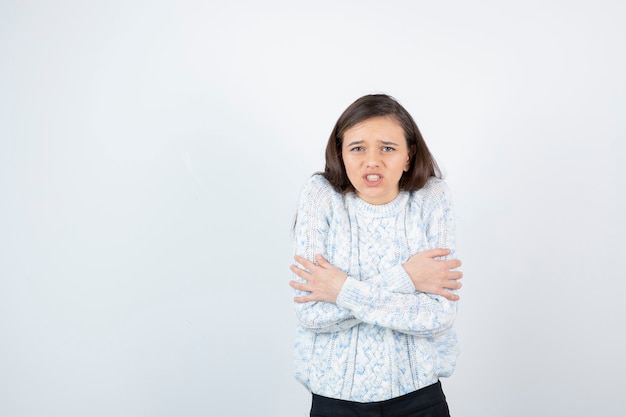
<point x="351" y="294"/>
<point x="353" y="291"/>
<point x="399" y="281"/>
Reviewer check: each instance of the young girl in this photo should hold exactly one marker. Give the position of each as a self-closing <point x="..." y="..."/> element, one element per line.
<point x="375" y="273"/>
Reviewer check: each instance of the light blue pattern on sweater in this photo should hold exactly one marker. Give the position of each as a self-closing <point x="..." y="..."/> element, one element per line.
<point x="382" y="339"/>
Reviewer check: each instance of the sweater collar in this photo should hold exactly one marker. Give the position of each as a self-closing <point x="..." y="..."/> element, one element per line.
<point x="378" y="210"/>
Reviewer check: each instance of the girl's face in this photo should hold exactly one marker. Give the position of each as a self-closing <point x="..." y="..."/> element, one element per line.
<point x="375" y="154"/>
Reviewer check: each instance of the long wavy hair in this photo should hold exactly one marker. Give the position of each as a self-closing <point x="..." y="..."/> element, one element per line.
<point x="422" y="164"/>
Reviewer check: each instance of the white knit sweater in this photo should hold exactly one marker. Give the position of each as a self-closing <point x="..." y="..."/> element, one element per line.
<point x="382" y="339"/>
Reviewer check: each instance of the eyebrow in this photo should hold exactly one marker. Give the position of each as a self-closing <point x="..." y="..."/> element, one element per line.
<point x="384" y="142"/>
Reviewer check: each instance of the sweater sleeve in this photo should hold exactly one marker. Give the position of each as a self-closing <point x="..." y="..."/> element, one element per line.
<point x="394" y="279"/>
<point x="416" y="313"/>
<point x="311" y="237"/>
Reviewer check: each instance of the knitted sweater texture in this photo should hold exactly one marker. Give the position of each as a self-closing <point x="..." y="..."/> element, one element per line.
<point x="382" y="339"/>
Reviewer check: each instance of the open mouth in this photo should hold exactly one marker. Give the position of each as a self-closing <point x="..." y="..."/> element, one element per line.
<point x="372" y="180"/>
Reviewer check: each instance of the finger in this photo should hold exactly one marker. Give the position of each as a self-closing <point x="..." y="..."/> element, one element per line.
<point x="321" y="261"/>
<point x="303" y="299"/>
<point x="434" y="253"/>
<point x="454" y="263"/>
<point x="304" y="262"/>
<point x="453" y="285"/>
<point x="300" y="286"/>
<point x="455" y="275"/>
<point x="300" y="272"/>
<point x="451" y="263"/>
<point x="450" y="296"/>
<point x="300" y="299"/>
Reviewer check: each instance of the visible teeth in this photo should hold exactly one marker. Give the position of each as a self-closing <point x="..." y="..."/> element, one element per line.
<point x="373" y="177"/>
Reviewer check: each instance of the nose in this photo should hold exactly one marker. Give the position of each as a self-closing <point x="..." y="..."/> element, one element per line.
<point x="372" y="160"/>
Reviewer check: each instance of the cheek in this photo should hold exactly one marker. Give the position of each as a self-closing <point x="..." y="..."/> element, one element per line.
<point x="351" y="172"/>
<point x="348" y="164"/>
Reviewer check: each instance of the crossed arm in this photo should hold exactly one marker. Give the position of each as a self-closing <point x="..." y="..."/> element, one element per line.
<point x="416" y="297"/>
<point x="332" y="301"/>
<point x="323" y="281"/>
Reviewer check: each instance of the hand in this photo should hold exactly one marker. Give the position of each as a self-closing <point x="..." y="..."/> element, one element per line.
<point x="323" y="281"/>
<point x="434" y="276"/>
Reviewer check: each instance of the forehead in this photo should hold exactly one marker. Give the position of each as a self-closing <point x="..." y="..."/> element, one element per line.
<point x="380" y="128"/>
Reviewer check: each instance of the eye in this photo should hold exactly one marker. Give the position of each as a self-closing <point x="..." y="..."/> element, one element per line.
<point x="356" y="149"/>
<point x="388" y="149"/>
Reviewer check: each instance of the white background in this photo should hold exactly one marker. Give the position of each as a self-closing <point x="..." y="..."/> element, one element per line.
<point x="151" y="158"/>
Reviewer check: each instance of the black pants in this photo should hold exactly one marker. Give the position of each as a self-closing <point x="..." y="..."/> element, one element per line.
<point x="426" y="402"/>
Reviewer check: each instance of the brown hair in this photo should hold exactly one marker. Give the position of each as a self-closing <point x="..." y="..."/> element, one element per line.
<point x="422" y="163"/>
